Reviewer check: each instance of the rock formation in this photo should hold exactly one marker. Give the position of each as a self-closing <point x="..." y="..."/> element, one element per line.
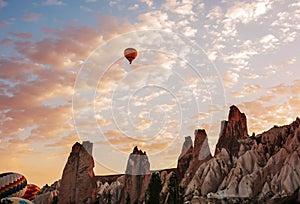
<point x="200" y="154"/>
<point x="47" y="194"/>
<point x="185" y="157"/>
<point x="111" y="193"/>
<point x="262" y="168"/>
<point x="231" y="131"/>
<point x="137" y="177"/>
<point x="77" y="183"/>
<point x="256" y="169"/>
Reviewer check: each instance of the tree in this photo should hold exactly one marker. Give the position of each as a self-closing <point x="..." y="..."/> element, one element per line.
<point x="181" y="194"/>
<point x="173" y="190"/>
<point x="154" y="188"/>
<point x="55" y="200"/>
<point x="128" y="199"/>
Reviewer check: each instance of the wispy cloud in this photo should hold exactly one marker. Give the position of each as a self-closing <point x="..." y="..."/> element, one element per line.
<point x="54" y="2"/>
<point x="31" y="17"/>
<point x="87" y="9"/>
<point x="3" y="3"/>
<point x="22" y="35"/>
<point x="148" y="2"/>
<point x="247" y="90"/>
<point x="133" y="7"/>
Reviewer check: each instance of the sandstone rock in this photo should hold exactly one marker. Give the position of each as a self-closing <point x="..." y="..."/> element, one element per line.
<point x="137" y="177"/>
<point x="47" y="194"/>
<point x="163" y="177"/>
<point x="185" y="157"/>
<point x="261" y="168"/>
<point x="201" y="153"/>
<point x="210" y="174"/>
<point x="231" y="131"/>
<point x="164" y="191"/>
<point x="77" y="183"/>
<point x="112" y="192"/>
<point x="45" y="198"/>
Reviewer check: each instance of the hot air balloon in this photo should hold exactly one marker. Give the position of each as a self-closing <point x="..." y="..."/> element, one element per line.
<point x="130" y="54"/>
<point x="12" y="184"/>
<point x="15" y="200"/>
<point x="31" y="191"/>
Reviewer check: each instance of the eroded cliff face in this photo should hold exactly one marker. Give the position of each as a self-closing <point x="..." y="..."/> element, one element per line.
<point x="260" y="168"/>
<point x="77" y="183"/>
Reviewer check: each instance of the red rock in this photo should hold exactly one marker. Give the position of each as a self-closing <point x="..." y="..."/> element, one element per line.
<point x="77" y="183"/>
<point x="231" y="131"/>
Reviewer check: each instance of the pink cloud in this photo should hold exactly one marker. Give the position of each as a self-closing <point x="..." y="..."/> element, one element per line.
<point x="2" y="3"/>
<point x="22" y="35"/>
<point x="72" y="44"/>
<point x="31" y="17"/>
<point x="5" y="41"/>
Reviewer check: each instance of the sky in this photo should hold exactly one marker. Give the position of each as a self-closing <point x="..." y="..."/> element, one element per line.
<point x="64" y="79"/>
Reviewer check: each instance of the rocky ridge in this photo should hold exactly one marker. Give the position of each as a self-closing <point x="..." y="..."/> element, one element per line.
<point x="263" y="168"/>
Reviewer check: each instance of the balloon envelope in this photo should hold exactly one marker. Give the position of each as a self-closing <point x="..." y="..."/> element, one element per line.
<point x="12" y="184"/>
<point x="15" y="200"/>
<point x="130" y="54"/>
<point x="31" y="190"/>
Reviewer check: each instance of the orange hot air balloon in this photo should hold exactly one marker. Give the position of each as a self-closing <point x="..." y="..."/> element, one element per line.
<point x="130" y="54"/>
<point x="31" y="191"/>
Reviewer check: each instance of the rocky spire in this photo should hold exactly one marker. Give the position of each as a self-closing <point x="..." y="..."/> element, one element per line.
<point x="200" y="154"/>
<point x="77" y="183"/>
<point x="185" y="157"/>
<point x="231" y="131"/>
<point x="137" y="176"/>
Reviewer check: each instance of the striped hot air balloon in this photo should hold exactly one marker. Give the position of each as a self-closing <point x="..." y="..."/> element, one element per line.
<point x="12" y="184"/>
<point x="15" y="200"/>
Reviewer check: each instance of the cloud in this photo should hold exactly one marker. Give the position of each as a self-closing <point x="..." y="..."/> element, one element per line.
<point x="156" y="20"/>
<point x="54" y="2"/>
<point x="215" y="13"/>
<point x="184" y="7"/>
<point x="21" y="35"/>
<point x="269" y="41"/>
<point x="148" y="2"/>
<point x="263" y="117"/>
<point x="5" y="41"/>
<point x="247" y="12"/>
<point x="189" y="31"/>
<point x="62" y="52"/>
<point x="84" y="8"/>
<point x="3" y="3"/>
<point x="133" y="7"/>
<point x="247" y="90"/>
<point x="231" y="78"/>
<point x="31" y="17"/>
